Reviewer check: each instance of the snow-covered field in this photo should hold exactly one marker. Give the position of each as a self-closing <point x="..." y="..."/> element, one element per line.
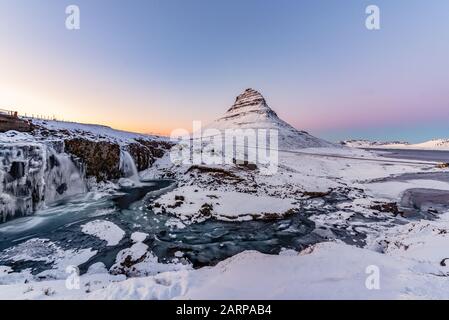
<point x="435" y="144"/>
<point x="409" y="267"/>
<point x="408" y="257"/>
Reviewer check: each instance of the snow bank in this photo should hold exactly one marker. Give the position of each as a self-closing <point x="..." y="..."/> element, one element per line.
<point x="44" y="250"/>
<point x="435" y="144"/>
<point x="104" y="230"/>
<point x="193" y="205"/>
<point x="93" y="131"/>
<point x="325" y="271"/>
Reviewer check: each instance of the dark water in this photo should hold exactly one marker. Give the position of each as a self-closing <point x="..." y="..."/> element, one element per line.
<point x="422" y="155"/>
<point x="425" y="203"/>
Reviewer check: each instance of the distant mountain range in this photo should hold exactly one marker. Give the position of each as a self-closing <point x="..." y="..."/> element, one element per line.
<point x="436" y="144"/>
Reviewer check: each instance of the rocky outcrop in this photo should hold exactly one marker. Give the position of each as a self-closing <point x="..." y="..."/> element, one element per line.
<point x="101" y="159"/>
<point x="8" y="122"/>
<point x="145" y="152"/>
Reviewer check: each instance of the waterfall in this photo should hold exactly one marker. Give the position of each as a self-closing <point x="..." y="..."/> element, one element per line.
<point x="128" y="167"/>
<point x="63" y="178"/>
<point x="33" y="175"/>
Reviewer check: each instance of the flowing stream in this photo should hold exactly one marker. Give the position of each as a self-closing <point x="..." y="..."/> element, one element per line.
<point x="202" y="244"/>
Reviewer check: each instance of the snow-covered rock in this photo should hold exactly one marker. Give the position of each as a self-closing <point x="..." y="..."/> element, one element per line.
<point x="373" y="144"/>
<point x="139" y="237"/>
<point x="192" y="205"/>
<point x="104" y="230"/>
<point x="138" y="261"/>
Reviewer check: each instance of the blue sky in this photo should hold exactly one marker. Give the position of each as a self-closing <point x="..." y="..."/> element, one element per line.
<point x="153" y="66"/>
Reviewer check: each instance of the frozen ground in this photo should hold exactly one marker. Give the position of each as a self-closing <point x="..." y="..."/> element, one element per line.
<point x="435" y="144"/>
<point x="324" y="271"/>
<point x="411" y="257"/>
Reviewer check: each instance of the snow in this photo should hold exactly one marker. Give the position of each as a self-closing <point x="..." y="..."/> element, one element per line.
<point x="250" y="111"/>
<point x="138" y="261"/>
<point x="425" y="242"/>
<point x="228" y="206"/>
<point x="437" y="144"/>
<point x="373" y="144"/>
<point x="97" y="268"/>
<point x="324" y="271"/>
<point x="393" y="189"/>
<point x="43" y="250"/>
<point x="104" y="230"/>
<point x="13" y="136"/>
<point x="93" y="131"/>
<point x="139" y="237"/>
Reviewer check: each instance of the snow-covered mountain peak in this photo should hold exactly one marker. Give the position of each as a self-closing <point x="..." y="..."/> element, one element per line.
<point x="250" y="101"/>
<point x="251" y="111"/>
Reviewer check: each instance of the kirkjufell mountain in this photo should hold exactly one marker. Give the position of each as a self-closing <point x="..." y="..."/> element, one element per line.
<point x="251" y="111"/>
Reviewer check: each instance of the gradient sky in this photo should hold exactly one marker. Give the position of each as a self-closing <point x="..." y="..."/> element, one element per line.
<point x="153" y="66"/>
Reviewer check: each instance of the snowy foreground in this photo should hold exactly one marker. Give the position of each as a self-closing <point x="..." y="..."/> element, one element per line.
<point x="410" y="269"/>
<point x="409" y="257"/>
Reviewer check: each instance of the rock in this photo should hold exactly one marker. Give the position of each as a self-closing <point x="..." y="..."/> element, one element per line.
<point x="17" y="170"/>
<point x="101" y="159"/>
<point x="388" y="208"/>
<point x="62" y="188"/>
<point x="206" y="210"/>
<point x="13" y="122"/>
<point x="145" y="152"/>
<point x="316" y="194"/>
<point x="443" y="165"/>
<point x="244" y="164"/>
<point x="217" y="173"/>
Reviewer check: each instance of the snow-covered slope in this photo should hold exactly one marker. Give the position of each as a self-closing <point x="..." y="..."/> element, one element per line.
<point x="251" y="111"/>
<point x="436" y="144"/>
<point x="94" y="132"/>
<point x="373" y="144"/>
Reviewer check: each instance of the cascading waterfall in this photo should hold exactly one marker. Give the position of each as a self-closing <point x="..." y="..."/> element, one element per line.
<point x="63" y="178"/>
<point x="33" y="175"/>
<point x="128" y="166"/>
